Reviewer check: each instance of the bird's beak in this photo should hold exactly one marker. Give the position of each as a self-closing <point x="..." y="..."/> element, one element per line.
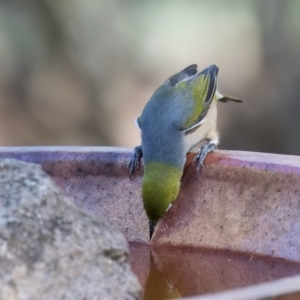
<point x="152" y="225"/>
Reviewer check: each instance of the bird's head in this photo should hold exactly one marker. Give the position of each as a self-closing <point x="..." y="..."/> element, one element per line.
<point x="160" y="187"/>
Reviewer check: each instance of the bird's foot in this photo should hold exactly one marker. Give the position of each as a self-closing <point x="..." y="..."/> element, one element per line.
<point x="135" y="160"/>
<point x="200" y="157"/>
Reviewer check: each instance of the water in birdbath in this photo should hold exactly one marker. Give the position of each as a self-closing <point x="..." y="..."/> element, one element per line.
<point x="170" y="272"/>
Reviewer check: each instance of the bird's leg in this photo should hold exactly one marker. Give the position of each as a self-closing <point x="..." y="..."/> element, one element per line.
<point x="135" y="160"/>
<point x="210" y="147"/>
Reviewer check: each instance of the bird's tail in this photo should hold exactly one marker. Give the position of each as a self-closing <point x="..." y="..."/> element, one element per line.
<point x="227" y="98"/>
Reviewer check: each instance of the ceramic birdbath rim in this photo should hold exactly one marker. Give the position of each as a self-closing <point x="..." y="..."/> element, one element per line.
<point x="240" y="201"/>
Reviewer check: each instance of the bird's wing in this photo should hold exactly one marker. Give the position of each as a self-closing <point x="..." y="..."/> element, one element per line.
<point x="203" y="88"/>
<point x="182" y="75"/>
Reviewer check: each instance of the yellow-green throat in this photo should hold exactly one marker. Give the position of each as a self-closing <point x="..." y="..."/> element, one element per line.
<point x="160" y="187"/>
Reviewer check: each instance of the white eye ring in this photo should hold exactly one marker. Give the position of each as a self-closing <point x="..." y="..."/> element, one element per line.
<point x="170" y="205"/>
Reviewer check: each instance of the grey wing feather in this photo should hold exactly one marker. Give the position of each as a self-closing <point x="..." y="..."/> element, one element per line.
<point x="185" y="73"/>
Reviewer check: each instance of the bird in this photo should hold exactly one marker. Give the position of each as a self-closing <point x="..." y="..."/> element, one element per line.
<point x="180" y="114"/>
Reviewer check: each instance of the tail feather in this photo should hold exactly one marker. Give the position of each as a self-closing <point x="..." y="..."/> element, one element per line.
<point x="227" y="98"/>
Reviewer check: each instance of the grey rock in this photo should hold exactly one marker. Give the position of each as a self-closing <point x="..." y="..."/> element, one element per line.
<point x="51" y="249"/>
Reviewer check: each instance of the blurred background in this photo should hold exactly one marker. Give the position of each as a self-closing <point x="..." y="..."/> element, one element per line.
<point x="79" y="72"/>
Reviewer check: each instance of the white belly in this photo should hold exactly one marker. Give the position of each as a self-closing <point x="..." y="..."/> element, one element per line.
<point x="206" y="131"/>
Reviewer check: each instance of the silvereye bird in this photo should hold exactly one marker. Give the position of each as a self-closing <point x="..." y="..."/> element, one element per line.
<point x="181" y="113"/>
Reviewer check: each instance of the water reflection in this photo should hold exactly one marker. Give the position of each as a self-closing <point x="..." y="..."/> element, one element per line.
<point x="158" y="286"/>
<point x="172" y="272"/>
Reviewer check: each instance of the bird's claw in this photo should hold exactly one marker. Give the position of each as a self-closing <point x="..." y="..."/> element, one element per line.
<point x="200" y="157"/>
<point x="135" y="160"/>
<point x="199" y="162"/>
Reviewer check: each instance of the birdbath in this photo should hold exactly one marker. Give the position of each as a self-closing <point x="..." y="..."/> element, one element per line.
<point x="233" y="233"/>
